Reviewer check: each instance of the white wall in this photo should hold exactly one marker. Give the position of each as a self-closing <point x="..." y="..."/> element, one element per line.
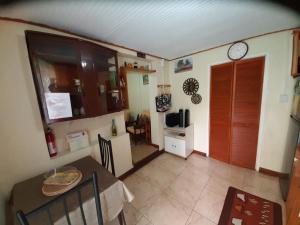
<point x="23" y="148"/>
<point x="138" y="94"/>
<point x="157" y="119"/>
<point x="274" y="123"/>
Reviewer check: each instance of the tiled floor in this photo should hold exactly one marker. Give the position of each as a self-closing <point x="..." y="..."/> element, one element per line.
<point x="141" y="151"/>
<point x="173" y="191"/>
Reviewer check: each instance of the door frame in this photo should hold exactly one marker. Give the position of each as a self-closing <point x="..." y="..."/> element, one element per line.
<point x="262" y="103"/>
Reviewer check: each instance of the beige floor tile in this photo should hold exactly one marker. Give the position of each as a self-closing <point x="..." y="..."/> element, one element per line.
<point x="143" y="221"/>
<point x="230" y="173"/>
<point x="256" y="179"/>
<point x="163" y="210"/>
<point x="158" y="176"/>
<point x="210" y="204"/>
<point x="263" y="186"/>
<point x="201" y="162"/>
<point x="218" y="185"/>
<point x="197" y="219"/>
<point x="171" y="190"/>
<point x="164" y="156"/>
<point x="195" y="175"/>
<point x="142" y="189"/>
<point x="132" y="216"/>
<point x="185" y="190"/>
<point x="173" y="164"/>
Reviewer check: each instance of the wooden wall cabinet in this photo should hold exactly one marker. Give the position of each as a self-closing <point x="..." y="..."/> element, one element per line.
<point x="81" y="71"/>
<point x="296" y="54"/>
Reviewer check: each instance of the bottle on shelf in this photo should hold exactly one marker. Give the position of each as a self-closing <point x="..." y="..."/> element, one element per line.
<point x="82" y="111"/>
<point x="114" y="128"/>
<point x="77" y="86"/>
<point x="50" y="139"/>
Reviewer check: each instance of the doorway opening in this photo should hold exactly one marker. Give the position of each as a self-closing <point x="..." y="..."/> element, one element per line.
<point x="137" y="114"/>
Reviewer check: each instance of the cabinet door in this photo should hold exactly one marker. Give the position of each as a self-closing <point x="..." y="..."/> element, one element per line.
<point x="246" y="111"/>
<point x="100" y="79"/>
<point x="89" y="79"/>
<point x="175" y="146"/>
<point x="108" y="84"/>
<point x="54" y="62"/>
<point x="220" y="111"/>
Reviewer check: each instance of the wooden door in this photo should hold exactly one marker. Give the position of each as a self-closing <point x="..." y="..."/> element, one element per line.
<point x="247" y="91"/>
<point x="220" y="111"/>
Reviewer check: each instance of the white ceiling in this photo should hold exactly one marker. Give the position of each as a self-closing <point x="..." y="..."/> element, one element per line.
<point x="168" y="29"/>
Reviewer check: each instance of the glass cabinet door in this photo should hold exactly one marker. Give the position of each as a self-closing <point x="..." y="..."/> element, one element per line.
<point x="106" y="68"/>
<point x="55" y="65"/>
<point x="89" y="79"/>
<point x="74" y="78"/>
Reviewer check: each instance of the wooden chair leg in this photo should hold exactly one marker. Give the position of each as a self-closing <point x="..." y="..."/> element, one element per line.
<point x="135" y="139"/>
<point x="121" y="218"/>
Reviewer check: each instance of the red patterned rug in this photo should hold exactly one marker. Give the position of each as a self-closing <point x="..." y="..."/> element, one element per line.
<point x="242" y="208"/>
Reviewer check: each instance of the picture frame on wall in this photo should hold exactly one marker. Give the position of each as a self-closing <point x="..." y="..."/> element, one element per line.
<point x="183" y="65"/>
<point x="145" y="79"/>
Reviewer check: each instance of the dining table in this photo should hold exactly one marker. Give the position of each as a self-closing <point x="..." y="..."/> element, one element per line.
<point x="27" y="195"/>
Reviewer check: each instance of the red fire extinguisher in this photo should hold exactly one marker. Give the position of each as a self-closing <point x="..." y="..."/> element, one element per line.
<point x="51" y="143"/>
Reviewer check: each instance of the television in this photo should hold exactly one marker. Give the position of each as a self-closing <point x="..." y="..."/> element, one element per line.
<point x="172" y="119"/>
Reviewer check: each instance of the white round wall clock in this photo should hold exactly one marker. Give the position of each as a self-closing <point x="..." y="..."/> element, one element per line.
<point x="237" y="50"/>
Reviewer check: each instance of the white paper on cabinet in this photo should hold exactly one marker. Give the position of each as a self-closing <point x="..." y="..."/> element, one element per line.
<point x="58" y="105"/>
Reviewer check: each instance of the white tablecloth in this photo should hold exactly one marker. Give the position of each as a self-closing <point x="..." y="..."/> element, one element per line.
<point x="112" y="202"/>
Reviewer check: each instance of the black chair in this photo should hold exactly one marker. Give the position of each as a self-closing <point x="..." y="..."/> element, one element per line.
<point x="106" y="159"/>
<point x="76" y="191"/>
<point x="106" y="154"/>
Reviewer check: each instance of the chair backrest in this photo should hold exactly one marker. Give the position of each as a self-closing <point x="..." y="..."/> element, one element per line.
<point x="76" y="192"/>
<point x="106" y="154"/>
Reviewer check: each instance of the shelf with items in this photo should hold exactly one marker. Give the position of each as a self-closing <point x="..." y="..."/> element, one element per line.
<point x="138" y="70"/>
<point x="164" y="85"/>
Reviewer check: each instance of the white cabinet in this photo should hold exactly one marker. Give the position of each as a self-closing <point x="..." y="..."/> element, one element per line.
<point x="179" y="141"/>
<point x="175" y="146"/>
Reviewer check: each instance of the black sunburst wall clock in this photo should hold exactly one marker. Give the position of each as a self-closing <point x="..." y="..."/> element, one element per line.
<point x="190" y="86"/>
